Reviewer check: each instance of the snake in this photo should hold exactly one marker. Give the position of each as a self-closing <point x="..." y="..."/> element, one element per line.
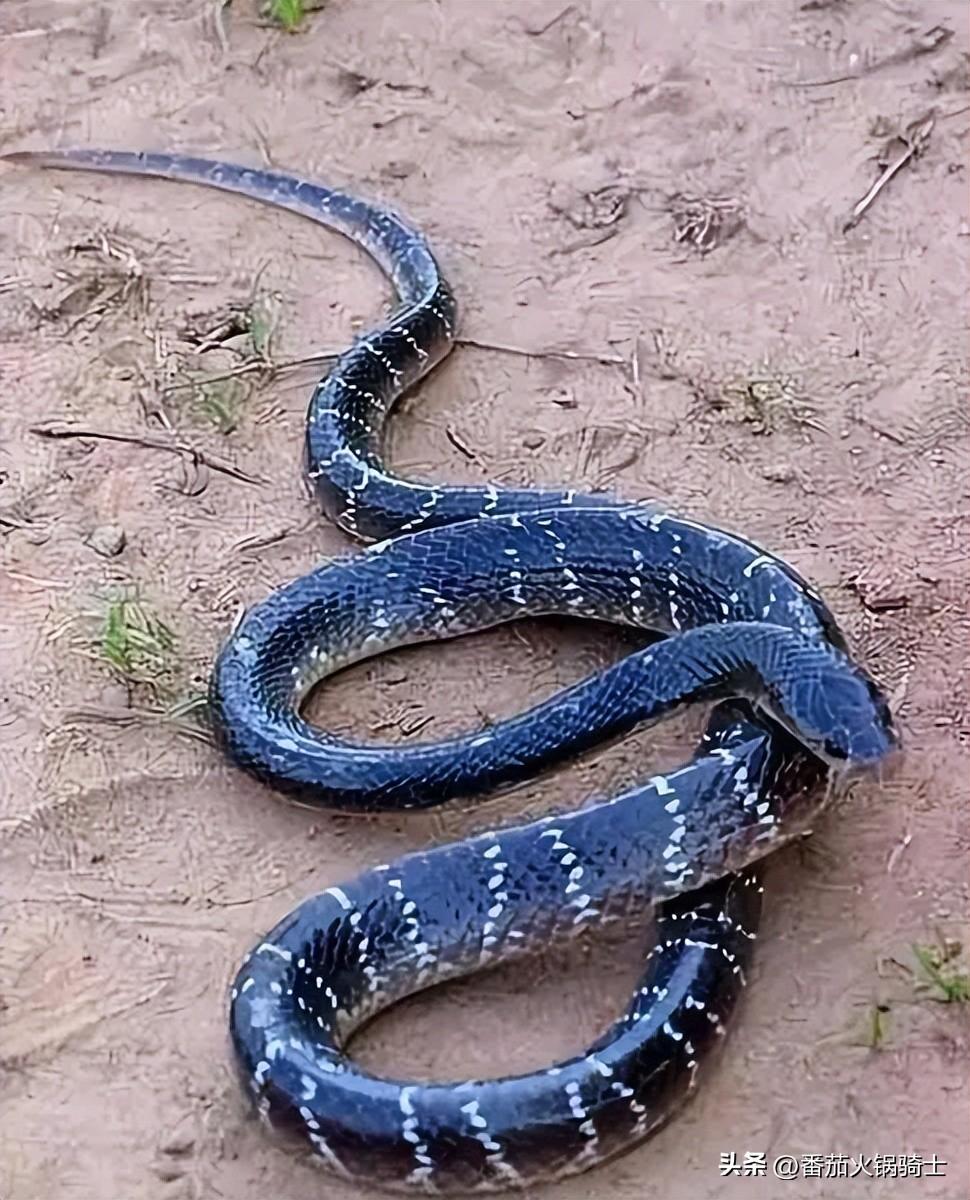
<point x="793" y="719"/>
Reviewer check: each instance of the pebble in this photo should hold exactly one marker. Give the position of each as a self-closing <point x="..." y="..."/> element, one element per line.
<point x="781" y="472"/>
<point x="178" y="1143"/>
<point x="107" y="540"/>
<point x="168" y="1172"/>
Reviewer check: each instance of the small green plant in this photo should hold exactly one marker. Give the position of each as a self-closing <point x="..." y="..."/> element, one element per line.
<point x="943" y="975"/>
<point x="288" y="13"/>
<point x="877" y="1026"/>
<point x="244" y="334"/>
<point x="135" y="642"/>
<point x="261" y="319"/>
<point x="220" y="401"/>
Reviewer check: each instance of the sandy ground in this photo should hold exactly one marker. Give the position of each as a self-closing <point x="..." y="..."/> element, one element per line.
<point x="642" y="183"/>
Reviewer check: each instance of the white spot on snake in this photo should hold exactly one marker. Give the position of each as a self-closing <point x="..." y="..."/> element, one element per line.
<point x="761" y="561"/>
<point x="269" y="948"/>
<point x="308" y="1117"/>
<point x="600" y="1066"/>
<point x="340" y="896"/>
<point x="471" y="1111"/>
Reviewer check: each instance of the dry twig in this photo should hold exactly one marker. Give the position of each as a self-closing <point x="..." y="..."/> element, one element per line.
<point x="913" y="141"/>
<point x="612" y="360"/>
<point x="61" y="429"/>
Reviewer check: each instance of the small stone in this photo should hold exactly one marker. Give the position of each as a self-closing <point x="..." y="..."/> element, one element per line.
<point x="533" y="441"/>
<point x="168" y="1172"/>
<point x="177" y="1144"/>
<point x="400" y="168"/>
<point x="107" y="540"/>
<point x="779" y="472"/>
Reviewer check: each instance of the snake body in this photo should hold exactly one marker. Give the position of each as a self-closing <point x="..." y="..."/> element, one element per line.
<point x="739" y="627"/>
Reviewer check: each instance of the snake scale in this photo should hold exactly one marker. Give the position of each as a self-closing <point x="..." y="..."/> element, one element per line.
<point x="730" y="623"/>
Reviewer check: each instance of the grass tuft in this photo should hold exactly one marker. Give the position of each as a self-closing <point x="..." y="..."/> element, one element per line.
<point x="135" y="642"/>
<point x="767" y="398"/>
<point x="220" y="402"/>
<point x="943" y="976"/>
<point x="287" y="13"/>
<point x="262" y="319"/>
<point x="244" y="336"/>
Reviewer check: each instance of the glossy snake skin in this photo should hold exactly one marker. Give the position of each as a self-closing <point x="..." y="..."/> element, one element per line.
<point x="748" y="632"/>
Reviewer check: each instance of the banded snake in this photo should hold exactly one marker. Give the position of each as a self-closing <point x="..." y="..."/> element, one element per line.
<point x="741" y="628"/>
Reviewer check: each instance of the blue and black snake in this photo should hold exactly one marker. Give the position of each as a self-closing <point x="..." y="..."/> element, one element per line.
<point x="730" y="623"/>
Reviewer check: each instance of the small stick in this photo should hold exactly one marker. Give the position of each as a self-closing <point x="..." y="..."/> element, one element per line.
<point x="245" y="369"/>
<point x="258" y="364"/>
<point x="133" y="716"/>
<point x="258" y="541"/>
<point x="914" y="140"/>
<point x="549" y="24"/>
<point x="218" y="11"/>
<point x="459" y="445"/>
<point x="612" y="360"/>
<point x="57" y="429"/>
<point x="896" y="851"/>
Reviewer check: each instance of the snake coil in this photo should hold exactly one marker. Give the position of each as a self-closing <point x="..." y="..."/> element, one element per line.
<point x="741" y="629"/>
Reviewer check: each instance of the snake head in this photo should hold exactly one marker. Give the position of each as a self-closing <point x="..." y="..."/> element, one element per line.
<point x="837" y="711"/>
<point x="864" y="734"/>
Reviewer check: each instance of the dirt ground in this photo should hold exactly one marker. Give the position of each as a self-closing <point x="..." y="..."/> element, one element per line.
<point x="659" y="189"/>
